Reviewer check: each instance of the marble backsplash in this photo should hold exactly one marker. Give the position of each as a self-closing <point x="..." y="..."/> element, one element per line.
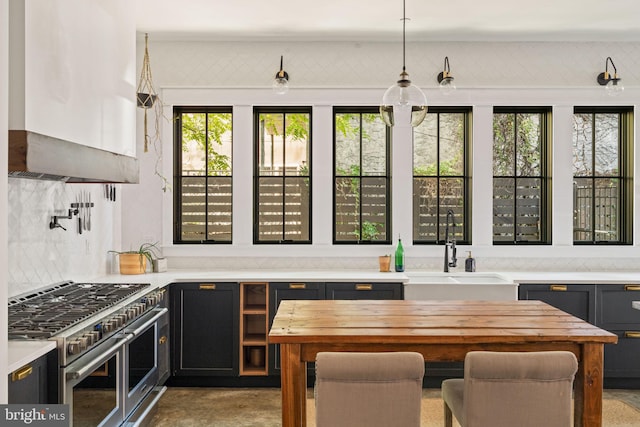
<point x="40" y="256"/>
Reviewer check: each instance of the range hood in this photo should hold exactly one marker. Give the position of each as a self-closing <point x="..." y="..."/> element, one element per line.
<point x="36" y="156"/>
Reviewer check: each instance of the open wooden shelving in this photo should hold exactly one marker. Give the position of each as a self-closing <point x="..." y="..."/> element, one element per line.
<point x="253" y="328"/>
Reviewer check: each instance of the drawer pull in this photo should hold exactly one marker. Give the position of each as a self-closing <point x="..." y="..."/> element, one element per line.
<point x="207" y="286"/>
<point x="632" y="334"/>
<point x="363" y="287"/>
<point x="21" y="373"/>
<point x="632" y="287"/>
<point x="297" y="286"/>
<point x="558" y="288"/>
<point x="162" y="340"/>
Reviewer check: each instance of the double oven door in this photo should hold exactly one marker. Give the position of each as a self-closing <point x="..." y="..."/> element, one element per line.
<point x="104" y="386"/>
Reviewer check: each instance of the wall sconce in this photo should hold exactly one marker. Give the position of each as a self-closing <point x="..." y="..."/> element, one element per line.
<point x="611" y="83"/>
<point x="281" y="82"/>
<point x="445" y="79"/>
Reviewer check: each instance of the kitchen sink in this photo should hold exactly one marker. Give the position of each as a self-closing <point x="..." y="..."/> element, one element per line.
<point x="430" y="285"/>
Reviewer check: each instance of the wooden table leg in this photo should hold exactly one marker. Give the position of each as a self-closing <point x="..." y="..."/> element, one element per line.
<point x="294" y="386"/>
<point x="588" y="387"/>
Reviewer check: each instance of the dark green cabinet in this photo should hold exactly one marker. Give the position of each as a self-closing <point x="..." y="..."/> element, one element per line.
<point x="607" y="306"/>
<point x="204" y="323"/>
<point x="354" y="291"/>
<point x="289" y="291"/>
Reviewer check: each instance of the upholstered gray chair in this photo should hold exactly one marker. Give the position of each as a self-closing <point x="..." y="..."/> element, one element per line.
<point x="507" y="389"/>
<point x="368" y="389"/>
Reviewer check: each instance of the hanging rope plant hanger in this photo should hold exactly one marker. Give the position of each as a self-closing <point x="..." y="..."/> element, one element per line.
<point x="146" y="93"/>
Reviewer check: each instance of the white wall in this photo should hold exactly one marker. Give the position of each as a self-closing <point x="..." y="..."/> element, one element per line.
<point x="4" y="129"/>
<point x="325" y="74"/>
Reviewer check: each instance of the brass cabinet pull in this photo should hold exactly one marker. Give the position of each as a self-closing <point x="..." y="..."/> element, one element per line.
<point x="558" y="288"/>
<point x="21" y="373"/>
<point x="207" y="286"/>
<point x="297" y="286"/>
<point x="632" y="287"/>
<point x="632" y="334"/>
<point x="364" y="287"/>
<point x="162" y="340"/>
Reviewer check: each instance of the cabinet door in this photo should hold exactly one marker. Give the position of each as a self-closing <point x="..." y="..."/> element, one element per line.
<point x="621" y="359"/>
<point x="351" y="291"/>
<point x="205" y="329"/>
<point x="289" y="291"/>
<point x="577" y="300"/>
<point x="614" y="307"/>
<point x="29" y="384"/>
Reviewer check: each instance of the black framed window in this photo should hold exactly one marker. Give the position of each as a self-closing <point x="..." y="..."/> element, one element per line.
<point x="602" y="175"/>
<point x="362" y="208"/>
<point x="521" y="162"/>
<point x="441" y="174"/>
<point x="203" y="175"/>
<point x="282" y="177"/>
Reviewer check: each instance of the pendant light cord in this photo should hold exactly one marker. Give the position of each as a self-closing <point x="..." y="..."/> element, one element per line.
<point x="404" y="23"/>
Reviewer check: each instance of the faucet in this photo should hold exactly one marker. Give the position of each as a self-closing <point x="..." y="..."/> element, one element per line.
<point x="450" y="242"/>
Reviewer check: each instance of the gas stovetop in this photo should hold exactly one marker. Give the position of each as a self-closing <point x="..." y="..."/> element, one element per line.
<point x="44" y="314"/>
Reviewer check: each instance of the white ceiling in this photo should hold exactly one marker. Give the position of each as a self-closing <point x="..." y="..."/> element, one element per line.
<point x="379" y="20"/>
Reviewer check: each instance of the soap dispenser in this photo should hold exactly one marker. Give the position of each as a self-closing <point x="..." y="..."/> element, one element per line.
<point x="470" y="264"/>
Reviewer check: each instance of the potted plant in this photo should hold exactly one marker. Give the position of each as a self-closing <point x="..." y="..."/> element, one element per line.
<point x="135" y="261"/>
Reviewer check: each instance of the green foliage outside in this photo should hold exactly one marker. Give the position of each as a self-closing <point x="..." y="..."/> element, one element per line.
<point x="194" y="128"/>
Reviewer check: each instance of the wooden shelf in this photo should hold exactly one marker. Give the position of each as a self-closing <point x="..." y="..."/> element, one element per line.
<point x="253" y="328"/>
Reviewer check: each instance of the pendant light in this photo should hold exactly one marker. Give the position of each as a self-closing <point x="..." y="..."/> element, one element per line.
<point x="281" y="82"/>
<point x="445" y="79"/>
<point x="403" y="97"/>
<point x="610" y="82"/>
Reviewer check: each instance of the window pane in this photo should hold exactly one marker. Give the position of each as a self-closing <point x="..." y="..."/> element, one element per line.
<point x="271" y="144"/>
<point x="270" y="209"/>
<point x="452" y="199"/>
<point x="607" y="213"/>
<point x="528" y="209"/>
<point x="219" y="144"/>
<point x="296" y="211"/>
<point x="374" y="142"/>
<point x="347" y="194"/>
<point x="297" y="145"/>
<point x="194" y="141"/>
<point x="607" y="140"/>
<point x="347" y="142"/>
<point x="425" y="208"/>
<point x="582" y="144"/>
<point x="503" y="209"/>
<point x="528" y="145"/>
<point x="451" y="144"/>
<point x="374" y="209"/>
<point x="582" y="203"/>
<point x="425" y="147"/>
<point x="219" y="200"/>
<point x="503" y="144"/>
<point x="193" y="220"/>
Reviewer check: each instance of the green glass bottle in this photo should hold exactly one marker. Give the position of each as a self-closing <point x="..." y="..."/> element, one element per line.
<point x="399" y="256"/>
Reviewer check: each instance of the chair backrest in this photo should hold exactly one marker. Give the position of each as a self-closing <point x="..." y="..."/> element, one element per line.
<point x="518" y="389"/>
<point x="368" y="389"/>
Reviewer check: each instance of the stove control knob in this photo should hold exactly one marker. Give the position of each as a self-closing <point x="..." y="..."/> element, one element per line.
<point x="121" y="319"/>
<point x="94" y="336"/>
<point x="83" y="341"/>
<point x="107" y="326"/>
<point x="73" y="347"/>
<point x="91" y="339"/>
<point x="141" y="307"/>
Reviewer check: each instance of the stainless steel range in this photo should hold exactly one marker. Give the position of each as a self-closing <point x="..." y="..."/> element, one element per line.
<point x="112" y="346"/>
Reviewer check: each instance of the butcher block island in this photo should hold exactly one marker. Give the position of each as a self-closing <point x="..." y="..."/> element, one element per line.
<point x="440" y="331"/>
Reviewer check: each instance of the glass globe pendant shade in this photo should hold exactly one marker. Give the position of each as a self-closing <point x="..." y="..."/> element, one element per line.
<point x="446" y="83"/>
<point x="403" y="98"/>
<point x="614" y="87"/>
<point x="280" y="84"/>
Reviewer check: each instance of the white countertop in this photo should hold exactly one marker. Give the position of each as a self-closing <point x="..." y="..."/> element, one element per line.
<point x="636" y="305"/>
<point x="23" y="352"/>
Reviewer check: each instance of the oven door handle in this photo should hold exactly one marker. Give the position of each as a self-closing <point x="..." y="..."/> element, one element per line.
<point x="158" y="313"/>
<point x="102" y="357"/>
